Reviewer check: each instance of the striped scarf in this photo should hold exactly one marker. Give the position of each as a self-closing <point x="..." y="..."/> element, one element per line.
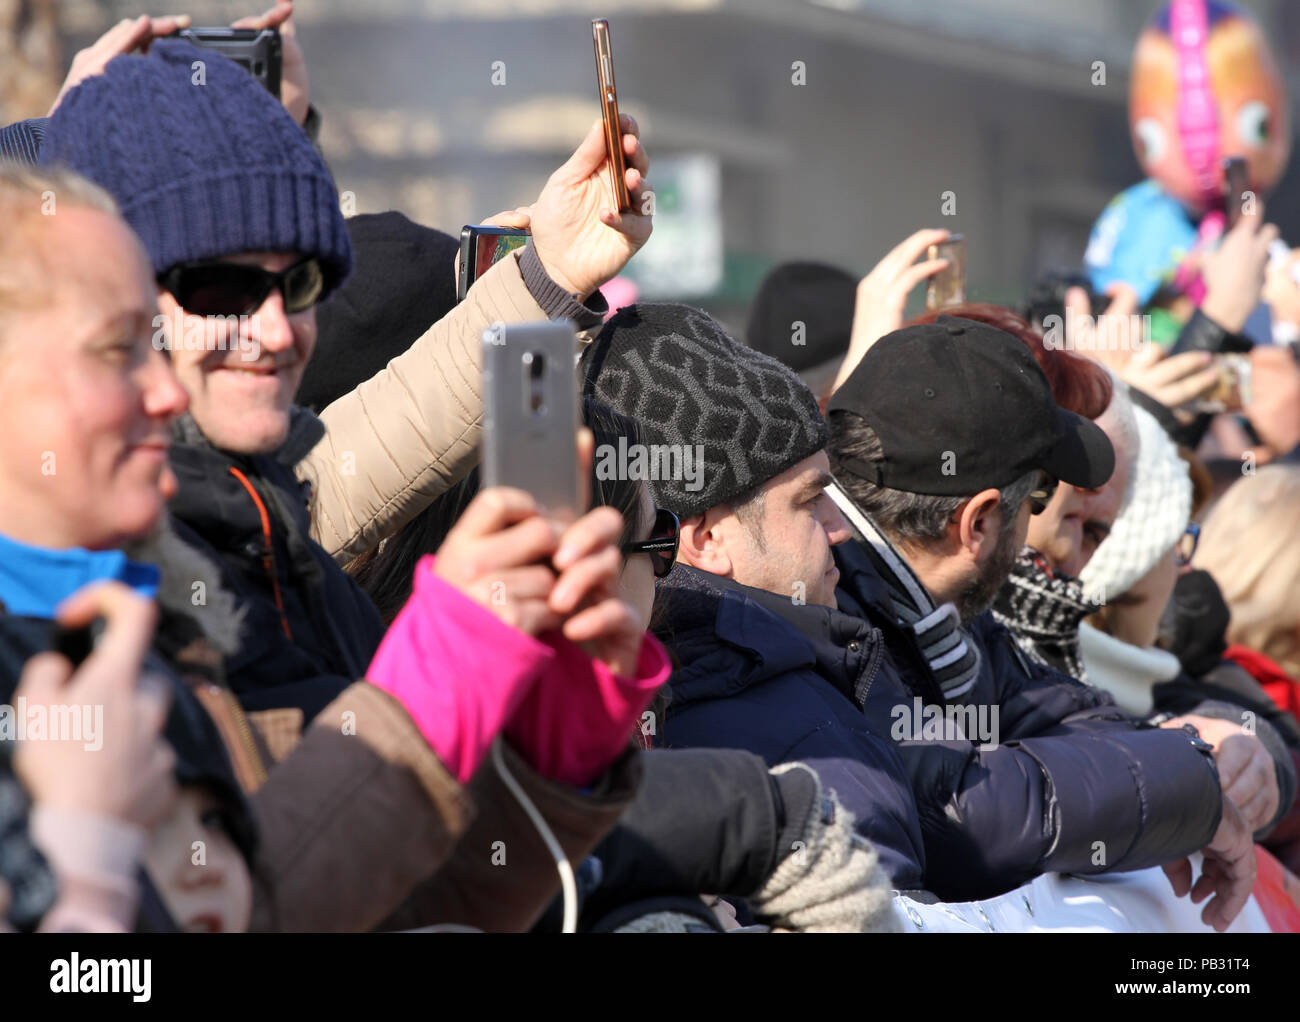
<point x="1043" y="611"/>
<point x="954" y="658"/>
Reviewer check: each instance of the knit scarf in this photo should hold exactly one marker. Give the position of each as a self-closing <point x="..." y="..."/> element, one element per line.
<point x="1043" y="611"/>
<point x="953" y="656"/>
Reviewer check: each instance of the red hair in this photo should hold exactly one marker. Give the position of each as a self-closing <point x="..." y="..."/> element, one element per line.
<point x="1078" y="385"/>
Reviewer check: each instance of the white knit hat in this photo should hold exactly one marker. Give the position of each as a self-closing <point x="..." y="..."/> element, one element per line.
<point x="1155" y="513"/>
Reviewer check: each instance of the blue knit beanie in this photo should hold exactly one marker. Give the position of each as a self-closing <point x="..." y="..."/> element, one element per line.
<point x="203" y="161"/>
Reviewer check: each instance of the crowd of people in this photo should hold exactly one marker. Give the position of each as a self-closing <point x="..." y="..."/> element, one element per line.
<point x="952" y="618"/>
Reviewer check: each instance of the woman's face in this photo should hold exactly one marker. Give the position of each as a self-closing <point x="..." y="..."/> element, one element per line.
<point x="1135" y="617"/>
<point x="636" y="586"/>
<point x="197" y="869"/>
<point x="85" y="398"/>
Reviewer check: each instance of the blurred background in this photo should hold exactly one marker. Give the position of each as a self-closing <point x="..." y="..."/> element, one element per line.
<point x="778" y="129"/>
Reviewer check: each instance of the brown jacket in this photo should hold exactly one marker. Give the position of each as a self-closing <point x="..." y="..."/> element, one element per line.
<point x="361" y="824"/>
<point x="408" y="434"/>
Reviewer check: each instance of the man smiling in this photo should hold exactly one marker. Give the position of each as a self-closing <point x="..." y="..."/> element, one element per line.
<point x="241" y="221"/>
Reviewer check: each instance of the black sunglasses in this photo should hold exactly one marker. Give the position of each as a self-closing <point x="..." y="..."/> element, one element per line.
<point x="1042" y="496"/>
<point x="233" y="289"/>
<point x="662" y="544"/>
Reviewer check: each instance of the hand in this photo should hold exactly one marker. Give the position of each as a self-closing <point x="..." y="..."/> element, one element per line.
<point x="1249" y="778"/>
<point x="589" y="563"/>
<point x="1234" y="272"/>
<point x="882" y="295"/>
<point x="579" y="235"/>
<point x="130" y="775"/>
<point x="293" y="66"/>
<point x="1173" y="380"/>
<point x="127" y="36"/>
<point x="1274" y="408"/>
<point x="1281" y="290"/>
<point x="1246" y="771"/>
<point x="1108" y="338"/>
<point x="497" y="554"/>
<point x="1227" y="872"/>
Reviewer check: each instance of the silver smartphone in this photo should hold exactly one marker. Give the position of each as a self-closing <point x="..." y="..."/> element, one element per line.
<point x="531" y="414"/>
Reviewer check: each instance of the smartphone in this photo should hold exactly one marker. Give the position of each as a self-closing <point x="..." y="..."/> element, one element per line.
<point x="256" y="50"/>
<point x="1236" y="182"/>
<point x="948" y="286"/>
<point x="481" y="245"/>
<point x="76" y="643"/>
<point x="609" y="111"/>
<point x="531" y="414"/>
<point x="1232" y="392"/>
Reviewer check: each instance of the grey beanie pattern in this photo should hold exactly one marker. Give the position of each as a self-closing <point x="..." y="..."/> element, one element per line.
<point x="692" y="387"/>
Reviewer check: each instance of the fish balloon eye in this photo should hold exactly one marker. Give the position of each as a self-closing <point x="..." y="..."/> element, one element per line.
<point x="1152" y="143"/>
<point x="1253" y="123"/>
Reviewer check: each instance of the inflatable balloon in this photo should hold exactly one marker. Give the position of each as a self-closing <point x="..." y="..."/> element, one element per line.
<point x="1205" y="86"/>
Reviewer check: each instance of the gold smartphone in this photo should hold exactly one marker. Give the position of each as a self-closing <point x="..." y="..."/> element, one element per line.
<point x="948" y="286"/>
<point x="609" y="112"/>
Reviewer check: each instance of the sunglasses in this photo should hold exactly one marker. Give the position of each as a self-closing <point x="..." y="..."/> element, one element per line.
<point x="233" y="289"/>
<point x="662" y="544"/>
<point x="1041" y="497"/>
<point x="1187" y="544"/>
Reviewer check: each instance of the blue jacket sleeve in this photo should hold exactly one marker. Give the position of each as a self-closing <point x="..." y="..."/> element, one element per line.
<point x="1069" y="784"/>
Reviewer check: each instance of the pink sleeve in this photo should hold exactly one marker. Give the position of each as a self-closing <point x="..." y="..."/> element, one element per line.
<point x="580" y="715"/>
<point x="459" y="670"/>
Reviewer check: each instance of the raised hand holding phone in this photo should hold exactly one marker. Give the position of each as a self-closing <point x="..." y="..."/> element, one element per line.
<point x="882" y="294"/>
<point x="581" y="239"/>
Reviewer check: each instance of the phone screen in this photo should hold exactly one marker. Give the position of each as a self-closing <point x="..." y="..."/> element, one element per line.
<point x="492" y="248"/>
<point x="948" y="286"/>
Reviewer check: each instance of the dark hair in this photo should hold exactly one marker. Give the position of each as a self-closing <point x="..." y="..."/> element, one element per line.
<point x="385" y="572"/>
<point x="907" y="518"/>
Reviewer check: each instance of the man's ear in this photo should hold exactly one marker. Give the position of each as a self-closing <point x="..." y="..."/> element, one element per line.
<point x="978" y="524"/>
<point x="702" y="542"/>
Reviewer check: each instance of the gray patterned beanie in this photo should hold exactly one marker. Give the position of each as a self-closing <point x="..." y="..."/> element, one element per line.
<point x="729" y="418"/>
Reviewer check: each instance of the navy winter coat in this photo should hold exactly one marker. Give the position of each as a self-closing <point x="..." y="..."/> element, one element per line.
<point x="1073" y="785"/>
<point x="749" y="679"/>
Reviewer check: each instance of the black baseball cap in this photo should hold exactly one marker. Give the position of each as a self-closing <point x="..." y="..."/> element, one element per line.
<point x="959" y="407"/>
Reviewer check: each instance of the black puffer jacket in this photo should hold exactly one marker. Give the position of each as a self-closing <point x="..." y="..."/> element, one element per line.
<point x="1074" y="784"/>
<point x="307" y="629"/>
<point x="703" y="821"/>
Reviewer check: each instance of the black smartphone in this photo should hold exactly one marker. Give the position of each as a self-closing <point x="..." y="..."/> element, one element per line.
<point x="256" y="50"/>
<point x="76" y="643"/>
<point x="481" y="245"/>
<point x="1236" y="182"/>
<point x="530" y="413"/>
